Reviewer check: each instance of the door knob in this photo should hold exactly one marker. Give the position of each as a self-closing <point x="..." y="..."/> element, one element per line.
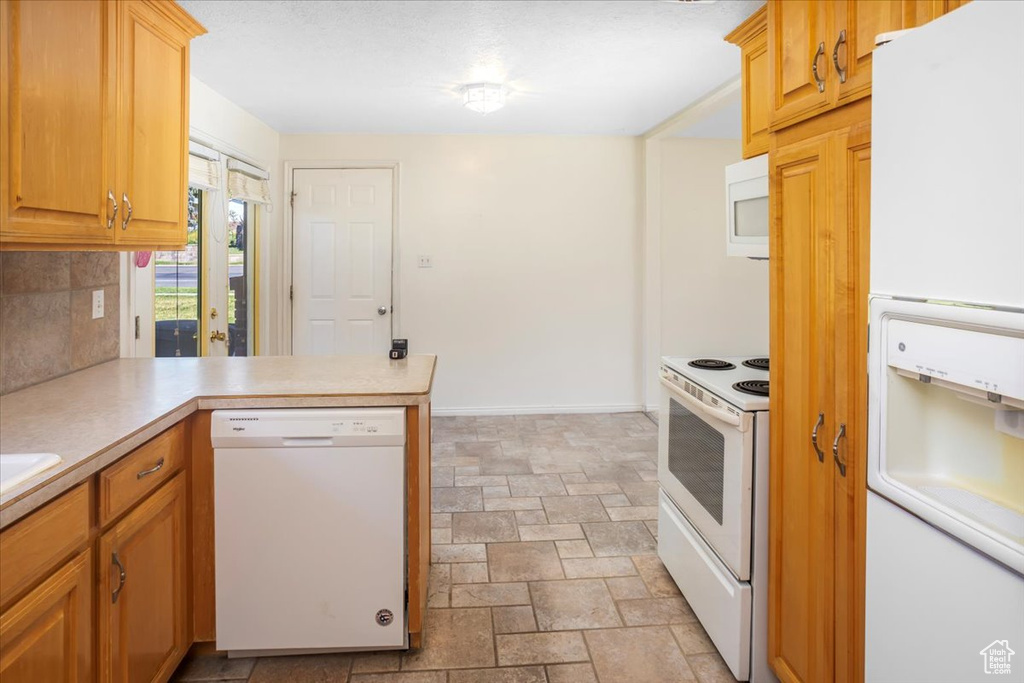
<point x="218" y="336"/>
<point x="382" y="310"/>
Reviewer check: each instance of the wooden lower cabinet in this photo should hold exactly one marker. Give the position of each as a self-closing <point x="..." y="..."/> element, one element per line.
<point x="142" y="604"/>
<point x="47" y="635"/>
<point x="819" y="188"/>
<point x="800" y="494"/>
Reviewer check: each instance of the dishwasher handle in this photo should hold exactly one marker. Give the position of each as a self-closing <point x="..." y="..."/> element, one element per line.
<point x="307" y="441"/>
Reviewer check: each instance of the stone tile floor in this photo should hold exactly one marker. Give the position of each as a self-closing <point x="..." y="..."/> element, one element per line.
<point x="544" y="567"/>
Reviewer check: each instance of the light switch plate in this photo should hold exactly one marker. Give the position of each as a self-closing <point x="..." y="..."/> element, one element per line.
<point x="425" y="262"/>
<point x="97" y="304"/>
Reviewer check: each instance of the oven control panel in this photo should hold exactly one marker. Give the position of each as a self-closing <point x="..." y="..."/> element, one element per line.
<point x="697" y="392"/>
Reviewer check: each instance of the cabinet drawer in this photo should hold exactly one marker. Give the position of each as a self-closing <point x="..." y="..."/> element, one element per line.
<point x="131" y="479"/>
<point x="36" y="544"/>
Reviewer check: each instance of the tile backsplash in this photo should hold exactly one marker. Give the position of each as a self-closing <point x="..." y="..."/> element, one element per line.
<point x="46" y="324"/>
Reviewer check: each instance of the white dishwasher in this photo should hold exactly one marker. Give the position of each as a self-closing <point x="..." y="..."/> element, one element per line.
<point x="310" y="529"/>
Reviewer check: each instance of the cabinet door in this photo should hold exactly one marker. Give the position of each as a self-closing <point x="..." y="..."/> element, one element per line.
<point x="919" y="12"/>
<point x="852" y="235"/>
<point x="854" y="27"/>
<point x="800" y="493"/>
<point x="755" y="97"/>
<point x="47" y="635"/>
<point x="58" y="63"/>
<point x="153" y="176"/>
<point x="796" y="46"/>
<point x="143" y="626"/>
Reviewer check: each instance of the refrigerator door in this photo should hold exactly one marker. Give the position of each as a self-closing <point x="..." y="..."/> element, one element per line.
<point x="947" y="120"/>
<point x="946" y="425"/>
<point x="937" y="610"/>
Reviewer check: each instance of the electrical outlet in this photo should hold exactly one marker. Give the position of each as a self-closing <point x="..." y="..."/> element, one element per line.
<point x="97" y="304"/>
<point x="425" y="262"/>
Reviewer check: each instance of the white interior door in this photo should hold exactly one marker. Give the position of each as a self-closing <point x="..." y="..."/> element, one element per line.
<point x="341" y="270"/>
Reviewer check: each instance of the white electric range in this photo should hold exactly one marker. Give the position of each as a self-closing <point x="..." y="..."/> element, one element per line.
<point x="713" y="502"/>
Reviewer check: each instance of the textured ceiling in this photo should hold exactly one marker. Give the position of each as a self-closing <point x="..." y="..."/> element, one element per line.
<point x="573" y="67"/>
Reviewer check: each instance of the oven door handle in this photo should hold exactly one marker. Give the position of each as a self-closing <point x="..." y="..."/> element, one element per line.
<point x="711" y="411"/>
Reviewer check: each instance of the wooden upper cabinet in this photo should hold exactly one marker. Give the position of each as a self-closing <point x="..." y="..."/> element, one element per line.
<point x="94" y="116"/>
<point x="820" y="51"/>
<point x="855" y="24"/>
<point x="47" y="635"/>
<point x="142" y="601"/>
<point x="153" y="123"/>
<point x="797" y="60"/>
<point x="57" y="60"/>
<point x="918" y="12"/>
<point x="752" y="38"/>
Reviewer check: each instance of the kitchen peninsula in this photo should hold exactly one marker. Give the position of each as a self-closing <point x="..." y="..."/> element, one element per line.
<point x="110" y="424"/>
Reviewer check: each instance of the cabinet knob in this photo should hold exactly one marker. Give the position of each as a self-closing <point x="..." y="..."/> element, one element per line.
<point x="835" y="56"/>
<point x="814" y="436"/>
<point x="113" y="216"/>
<point x="814" y="67"/>
<point x="128" y="212"/>
<point x="835" y="450"/>
<point x="123" y="576"/>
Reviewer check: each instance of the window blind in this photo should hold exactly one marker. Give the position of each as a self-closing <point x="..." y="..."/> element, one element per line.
<point x="203" y="173"/>
<point x="248" y="182"/>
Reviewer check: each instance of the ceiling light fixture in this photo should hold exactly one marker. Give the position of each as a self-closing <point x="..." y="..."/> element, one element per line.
<point x="484" y="98"/>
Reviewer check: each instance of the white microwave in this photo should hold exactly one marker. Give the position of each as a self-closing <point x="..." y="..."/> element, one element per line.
<point x="746" y="208"/>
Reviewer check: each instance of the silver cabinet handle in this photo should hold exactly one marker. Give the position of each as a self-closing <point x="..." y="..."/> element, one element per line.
<point x="113" y="217"/>
<point x="116" y="561"/>
<point x="151" y="470"/>
<point x="814" y="436"/>
<point x="128" y="214"/>
<point x="814" y="67"/>
<point x="382" y="310"/>
<point x="835" y="450"/>
<point x="835" y="56"/>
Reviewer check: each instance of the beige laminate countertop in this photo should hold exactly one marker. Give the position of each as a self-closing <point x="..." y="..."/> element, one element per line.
<point x="94" y="417"/>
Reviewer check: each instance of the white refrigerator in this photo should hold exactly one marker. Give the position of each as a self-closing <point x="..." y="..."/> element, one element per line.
<point x="945" y="527"/>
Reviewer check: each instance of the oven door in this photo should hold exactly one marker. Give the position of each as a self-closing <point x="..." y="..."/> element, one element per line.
<point x="705" y="460"/>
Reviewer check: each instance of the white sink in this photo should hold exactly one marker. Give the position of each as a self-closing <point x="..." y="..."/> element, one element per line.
<point x="18" y="467"/>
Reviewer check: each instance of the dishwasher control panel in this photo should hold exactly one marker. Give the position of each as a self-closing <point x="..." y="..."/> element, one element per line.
<point x="312" y="427"/>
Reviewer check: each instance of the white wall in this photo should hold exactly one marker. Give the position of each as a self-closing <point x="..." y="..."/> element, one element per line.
<point x="696" y="300"/>
<point x="711" y="304"/>
<point x="533" y="300"/>
<point x="223" y="125"/>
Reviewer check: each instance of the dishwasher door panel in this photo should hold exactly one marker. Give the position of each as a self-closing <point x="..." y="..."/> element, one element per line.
<point x="310" y="546"/>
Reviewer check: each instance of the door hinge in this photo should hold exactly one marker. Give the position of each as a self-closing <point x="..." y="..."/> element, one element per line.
<point x="292" y="199"/>
<point x="138" y="328"/>
<point x="291" y="292"/>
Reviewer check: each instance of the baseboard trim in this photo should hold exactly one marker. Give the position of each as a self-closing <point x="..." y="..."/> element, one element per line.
<point x="536" y="410"/>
